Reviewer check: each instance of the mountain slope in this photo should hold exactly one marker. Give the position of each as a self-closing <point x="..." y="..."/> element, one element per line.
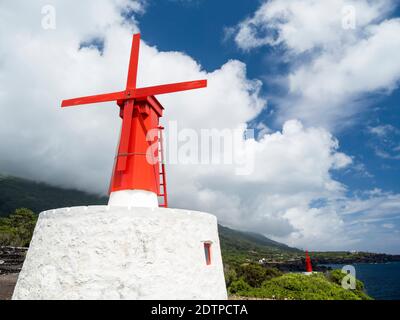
<point x="240" y="240"/>
<point x="20" y="193"/>
<point x="238" y="246"/>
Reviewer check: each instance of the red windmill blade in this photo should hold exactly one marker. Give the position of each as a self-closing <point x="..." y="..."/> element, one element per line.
<point x="93" y="99"/>
<point x="169" y="88"/>
<point x="140" y="112"/>
<point x="131" y="92"/>
<point x="133" y="63"/>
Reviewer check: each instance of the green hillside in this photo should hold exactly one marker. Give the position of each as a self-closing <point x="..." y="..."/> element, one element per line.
<point x="248" y="240"/>
<point x="239" y="246"/>
<point x="18" y="193"/>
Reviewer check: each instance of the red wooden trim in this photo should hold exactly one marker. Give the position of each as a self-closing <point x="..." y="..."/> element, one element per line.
<point x="93" y="99"/>
<point x="125" y="135"/>
<point x="168" y="88"/>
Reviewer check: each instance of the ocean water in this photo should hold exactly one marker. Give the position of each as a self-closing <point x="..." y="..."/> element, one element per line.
<point x="382" y="280"/>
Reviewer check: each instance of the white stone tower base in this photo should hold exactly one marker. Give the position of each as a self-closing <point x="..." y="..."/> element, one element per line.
<point x="119" y="253"/>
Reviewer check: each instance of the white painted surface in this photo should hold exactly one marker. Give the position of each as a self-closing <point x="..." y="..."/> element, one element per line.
<point x="133" y="198"/>
<point x="115" y="253"/>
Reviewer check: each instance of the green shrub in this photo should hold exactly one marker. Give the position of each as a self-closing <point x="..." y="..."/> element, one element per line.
<point x="297" y="287"/>
<point x="230" y="275"/>
<point x="239" y="287"/>
<point x="255" y="274"/>
<point x="337" y="276"/>
<point x="7" y="236"/>
<point x="17" y="229"/>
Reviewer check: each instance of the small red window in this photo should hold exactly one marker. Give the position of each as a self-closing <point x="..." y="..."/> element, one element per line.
<point x="207" y="252"/>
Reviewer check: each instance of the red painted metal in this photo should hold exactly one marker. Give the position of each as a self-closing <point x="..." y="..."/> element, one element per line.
<point x="93" y="99"/>
<point x="137" y="164"/>
<point x="133" y="63"/>
<point x="168" y="88"/>
<point x="308" y="263"/>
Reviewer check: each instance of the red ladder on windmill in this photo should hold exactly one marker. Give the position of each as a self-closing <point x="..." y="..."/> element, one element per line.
<point x="162" y="192"/>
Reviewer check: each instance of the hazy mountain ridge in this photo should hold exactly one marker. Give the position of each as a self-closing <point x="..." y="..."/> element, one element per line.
<point x="18" y="193"/>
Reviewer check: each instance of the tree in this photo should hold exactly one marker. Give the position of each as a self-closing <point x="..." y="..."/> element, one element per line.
<point x="230" y="274"/>
<point x="17" y="229"/>
<point x="255" y="274"/>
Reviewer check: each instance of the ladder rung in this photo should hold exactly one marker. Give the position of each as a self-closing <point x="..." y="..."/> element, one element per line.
<point x="162" y="175"/>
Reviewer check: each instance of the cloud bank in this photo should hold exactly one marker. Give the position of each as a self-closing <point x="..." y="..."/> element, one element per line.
<point x="338" y="51"/>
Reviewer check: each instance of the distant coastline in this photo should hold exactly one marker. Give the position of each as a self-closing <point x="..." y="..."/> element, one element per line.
<point x="359" y="257"/>
<point x="322" y="261"/>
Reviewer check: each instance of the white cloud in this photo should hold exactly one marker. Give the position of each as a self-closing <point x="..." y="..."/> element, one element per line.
<point x="382" y="130"/>
<point x="292" y="169"/>
<point x="384" y="141"/>
<point x="373" y="205"/>
<point x="41" y="67"/>
<point x="302" y="25"/>
<point x="331" y="67"/>
<point x="75" y="147"/>
<point x="388" y="225"/>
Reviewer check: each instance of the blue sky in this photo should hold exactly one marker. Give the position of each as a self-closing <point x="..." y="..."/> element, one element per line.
<point x="323" y="98"/>
<point x="198" y="28"/>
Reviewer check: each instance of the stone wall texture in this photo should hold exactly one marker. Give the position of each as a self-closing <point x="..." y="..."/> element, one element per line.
<point x="103" y="252"/>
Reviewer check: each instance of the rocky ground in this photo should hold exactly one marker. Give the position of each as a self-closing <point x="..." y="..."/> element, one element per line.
<point x="7" y="284"/>
<point x="11" y="260"/>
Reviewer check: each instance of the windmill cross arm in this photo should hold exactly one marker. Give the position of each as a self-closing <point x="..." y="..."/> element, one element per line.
<point x="133" y="63"/>
<point x="169" y="88"/>
<point x="94" y="99"/>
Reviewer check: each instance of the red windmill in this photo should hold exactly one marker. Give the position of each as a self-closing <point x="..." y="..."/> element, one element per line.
<point x="138" y="173"/>
<point x="308" y="263"/>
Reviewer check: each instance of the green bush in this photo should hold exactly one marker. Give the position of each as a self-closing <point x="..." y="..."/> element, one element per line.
<point x="239" y="286"/>
<point x="17" y="229"/>
<point x="230" y="274"/>
<point x="337" y="276"/>
<point x="255" y="274"/>
<point x="297" y="287"/>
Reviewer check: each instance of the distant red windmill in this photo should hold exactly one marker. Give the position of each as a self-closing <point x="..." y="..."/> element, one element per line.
<point x="308" y="263"/>
<point x="140" y="113"/>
